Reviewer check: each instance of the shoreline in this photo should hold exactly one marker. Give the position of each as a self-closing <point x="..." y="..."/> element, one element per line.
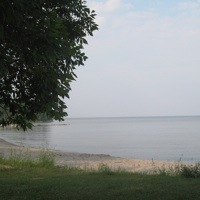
<point x="91" y="161"/>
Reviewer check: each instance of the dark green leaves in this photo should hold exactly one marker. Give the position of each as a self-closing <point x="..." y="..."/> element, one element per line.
<point x="41" y="43"/>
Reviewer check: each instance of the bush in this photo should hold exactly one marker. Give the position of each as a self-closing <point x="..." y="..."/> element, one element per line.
<point x="105" y="169"/>
<point x="191" y="171"/>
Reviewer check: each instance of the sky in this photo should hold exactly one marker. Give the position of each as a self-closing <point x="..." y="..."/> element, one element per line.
<point x="143" y="61"/>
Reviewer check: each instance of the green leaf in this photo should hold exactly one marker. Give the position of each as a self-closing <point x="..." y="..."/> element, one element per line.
<point x="41" y="46"/>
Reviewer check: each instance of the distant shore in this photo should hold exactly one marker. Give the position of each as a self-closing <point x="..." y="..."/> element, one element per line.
<point x="91" y="161"/>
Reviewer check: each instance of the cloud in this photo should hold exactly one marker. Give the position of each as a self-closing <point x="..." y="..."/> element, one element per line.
<point x="141" y="62"/>
<point x="112" y="5"/>
<point x="107" y="9"/>
<point x="189" y="6"/>
<point x="137" y="29"/>
<point x="108" y="6"/>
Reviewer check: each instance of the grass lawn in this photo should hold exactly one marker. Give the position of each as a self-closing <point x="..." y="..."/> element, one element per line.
<point x="59" y="183"/>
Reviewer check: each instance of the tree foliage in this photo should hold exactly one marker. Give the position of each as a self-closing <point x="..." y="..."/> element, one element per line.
<point x="41" y="44"/>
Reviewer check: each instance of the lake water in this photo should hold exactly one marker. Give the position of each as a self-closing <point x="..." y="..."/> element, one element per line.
<point x="158" y="138"/>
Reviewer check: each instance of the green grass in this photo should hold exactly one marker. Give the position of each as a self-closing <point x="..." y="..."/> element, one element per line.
<point x="23" y="158"/>
<point x="66" y="183"/>
<point x="39" y="181"/>
<point x="55" y="183"/>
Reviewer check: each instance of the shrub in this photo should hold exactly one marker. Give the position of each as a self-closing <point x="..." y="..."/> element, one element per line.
<point x="191" y="171"/>
<point x="105" y="169"/>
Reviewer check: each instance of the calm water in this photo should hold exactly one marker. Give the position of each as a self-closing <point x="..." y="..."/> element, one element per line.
<point x="162" y="138"/>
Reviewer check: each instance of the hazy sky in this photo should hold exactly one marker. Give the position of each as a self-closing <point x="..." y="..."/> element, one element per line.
<point x="143" y="61"/>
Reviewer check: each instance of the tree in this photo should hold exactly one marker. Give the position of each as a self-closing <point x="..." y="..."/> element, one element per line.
<point x="41" y="44"/>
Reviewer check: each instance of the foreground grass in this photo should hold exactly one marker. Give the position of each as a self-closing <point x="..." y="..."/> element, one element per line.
<point x="23" y="178"/>
<point x="62" y="183"/>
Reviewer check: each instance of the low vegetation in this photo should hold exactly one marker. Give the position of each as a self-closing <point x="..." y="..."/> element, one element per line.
<point x="184" y="170"/>
<point x="23" y="158"/>
<point x="24" y="178"/>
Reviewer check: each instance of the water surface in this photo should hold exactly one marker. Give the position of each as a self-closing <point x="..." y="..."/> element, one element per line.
<point x="159" y="138"/>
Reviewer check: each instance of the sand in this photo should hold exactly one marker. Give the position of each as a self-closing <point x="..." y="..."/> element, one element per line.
<point x="90" y="161"/>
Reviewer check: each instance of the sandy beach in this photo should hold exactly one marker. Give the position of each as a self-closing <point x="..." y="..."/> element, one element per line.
<point x="91" y="161"/>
